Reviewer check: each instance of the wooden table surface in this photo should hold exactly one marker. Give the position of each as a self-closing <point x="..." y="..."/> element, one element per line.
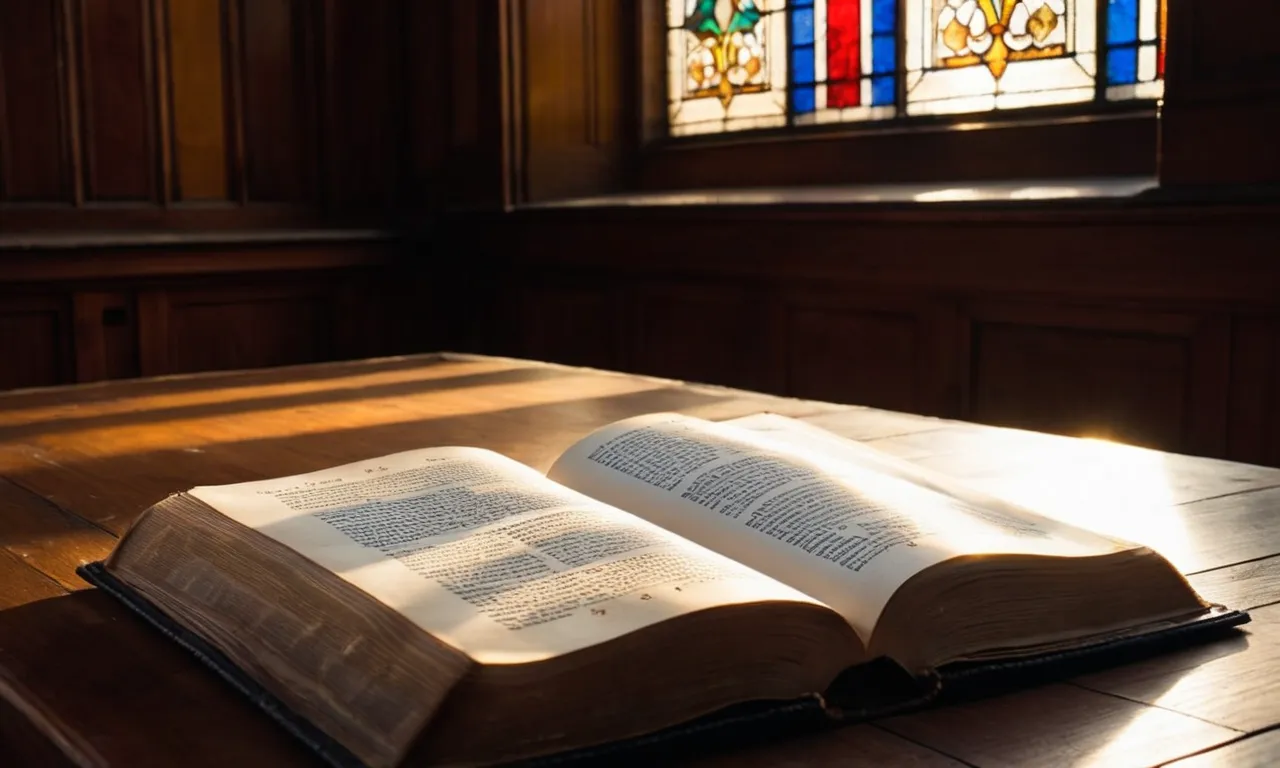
<point x="84" y="682"/>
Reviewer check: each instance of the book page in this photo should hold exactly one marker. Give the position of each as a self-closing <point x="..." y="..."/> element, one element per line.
<point x="488" y="555"/>
<point x="844" y="531"/>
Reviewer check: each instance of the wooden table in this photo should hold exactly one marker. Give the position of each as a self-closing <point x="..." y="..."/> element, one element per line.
<point x="83" y="682"/>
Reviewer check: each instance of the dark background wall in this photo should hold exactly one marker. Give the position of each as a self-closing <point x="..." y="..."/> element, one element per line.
<point x="196" y="184"/>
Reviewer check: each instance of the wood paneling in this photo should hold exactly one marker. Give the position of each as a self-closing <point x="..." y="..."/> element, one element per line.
<point x="364" y="107"/>
<point x="698" y="332"/>
<point x="106" y="337"/>
<point x="573" y="325"/>
<point x="198" y="95"/>
<point x="118" y="115"/>
<point x="218" y="330"/>
<point x="1145" y="322"/>
<point x="1254" y="425"/>
<point x="111" y="313"/>
<point x="279" y="113"/>
<point x="574" y="95"/>
<point x="1147" y="378"/>
<point x="34" y="144"/>
<point x="1221" y="79"/>
<point x="482" y="125"/>
<point x="1086" y="382"/>
<point x="35" y="341"/>
<point x="850" y="355"/>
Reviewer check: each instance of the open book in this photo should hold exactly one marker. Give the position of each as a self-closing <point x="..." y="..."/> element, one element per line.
<point x="450" y="605"/>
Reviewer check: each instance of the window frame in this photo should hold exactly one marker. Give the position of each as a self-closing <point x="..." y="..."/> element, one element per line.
<point x="1096" y="138"/>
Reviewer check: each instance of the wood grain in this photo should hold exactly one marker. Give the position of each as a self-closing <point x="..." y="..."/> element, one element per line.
<point x="850" y="356"/>
<point x="1182" y="362"/>
<point x="47" y="539"/>
<point x="1073" y="725"/>
<point x="687" y="331"/>
<point x="35" y="339"/>
<point x="280" y="133"/>
<point x="1252" y="752"/>
<point x="1247" y="585"/>
<point x="199" y="99"/>
<point x="214" y="330"/>
<point x="117" y="111"/>
<point x="22" y="583"/>
<point x="365" y="102"/>
<point x="1227" y="683"/>
<point x="862" y="746"/>
<point x="34" y="149"/>
<point x="101" y="690"/>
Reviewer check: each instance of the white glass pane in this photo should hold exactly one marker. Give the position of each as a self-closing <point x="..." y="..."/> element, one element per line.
<point x="721" y="126"/>
<point x="1042" y="98"/>
<point x="1147" y="19"/>
<point x="1084" y="21"/>
<point x="959" y="105"/>
<point x="1147" y="63"/>
<point x="915" y="34"/>
<point x="952" y="83"/>
<point x="1044" y="75"/>
<point x="864" y="43"/>
<point x="1152" y="90"/>
<point x="1088" y="62"/>
<point x="820" y="41"/>
<point x="774" y="32"/>
<point x="675" y="12"/>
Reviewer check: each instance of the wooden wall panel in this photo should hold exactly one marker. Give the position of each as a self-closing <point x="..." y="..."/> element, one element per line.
<point x="248" y="328"/>
<point x="1254" y="427"/>
<point x="198" y="96"/>
<point x="575" y="325"/>
<point x="703" y="333"/>
<point x="35" y="341"/>
<point x="280" y="122"/>
<point x="364" y="68"/>
<point x="1148" y="378"/>
<point x="118" y="112"/>
<point x="34" y="147"/>
<point x="855" y="356"/>
<point x="429" y="94"/>
<point x="1221" y="79"/>
<point x="574" y="95"/>
<point x="106" y="335"/>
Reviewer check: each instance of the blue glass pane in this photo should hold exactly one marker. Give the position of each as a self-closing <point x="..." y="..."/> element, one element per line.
<point x="802" y="100"/>
<point x="883" y="14"/>
<point x="802" y="26"/>
<point x="1122" y="21"/>
<point x="882" y="90"/>
<point x="883" y="54"/>
<point x="801" y="2"/>
<point x="1122" y="66"/>
<point x="802" y="65"/>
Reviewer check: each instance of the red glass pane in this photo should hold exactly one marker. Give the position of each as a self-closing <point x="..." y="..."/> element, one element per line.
<point x="1164" y="26"/>
<point x="844" y="57"/>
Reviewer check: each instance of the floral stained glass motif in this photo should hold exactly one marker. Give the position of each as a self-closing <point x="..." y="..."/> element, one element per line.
<point x="723" y="68"/>
<point x="979" y="55"/>
<point x="1135" y="49"/>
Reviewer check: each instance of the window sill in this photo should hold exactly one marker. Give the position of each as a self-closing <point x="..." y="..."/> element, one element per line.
<point x="989" y="192"/>
<point x="1076" y="147"/>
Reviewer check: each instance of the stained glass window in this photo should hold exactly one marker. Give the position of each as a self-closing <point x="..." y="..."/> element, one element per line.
<point x="742" y="64"/>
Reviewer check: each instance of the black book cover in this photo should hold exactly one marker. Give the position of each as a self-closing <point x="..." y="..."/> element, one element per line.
<point x="873" y="690"/>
